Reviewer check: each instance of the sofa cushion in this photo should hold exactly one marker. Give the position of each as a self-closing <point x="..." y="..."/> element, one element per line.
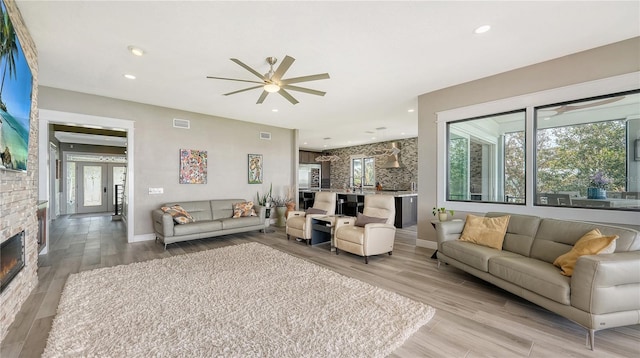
<point x="476" y="256"/>
<point x="486" y="231"/>
<point x="592" y="243"/>
<point x="234" y="223"/>
<point x="199" y="210"/>
<point x="520" y="232"/>
<point x="197" y="227"/>
<point x="243" y="209"/>
<point x="533" y="275"/>
<point x="363" y="220"/>
<point x="179" y="215"/>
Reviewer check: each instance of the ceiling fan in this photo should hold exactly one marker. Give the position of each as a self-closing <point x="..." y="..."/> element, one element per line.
<point x="272" y="81"/>
<point x="567" y="108"/>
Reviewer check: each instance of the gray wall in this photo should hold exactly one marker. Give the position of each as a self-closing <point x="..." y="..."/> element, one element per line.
<point x="602" y="62"/>
<point x="157" y="145"/>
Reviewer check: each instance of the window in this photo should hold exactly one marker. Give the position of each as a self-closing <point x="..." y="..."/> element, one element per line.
<point x="486" y="159"/>
<point x="584" y="152"/>
<point x="363" y="171"/>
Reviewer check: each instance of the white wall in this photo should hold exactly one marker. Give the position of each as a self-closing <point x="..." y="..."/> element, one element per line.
<point x="157" y="145"/>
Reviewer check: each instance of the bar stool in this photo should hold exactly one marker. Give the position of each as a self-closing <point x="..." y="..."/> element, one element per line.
<point x="339" y="206"/>
<point x="353" y="205"/>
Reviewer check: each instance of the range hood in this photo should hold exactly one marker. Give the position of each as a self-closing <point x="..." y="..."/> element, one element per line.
<point x="393" y="157"/>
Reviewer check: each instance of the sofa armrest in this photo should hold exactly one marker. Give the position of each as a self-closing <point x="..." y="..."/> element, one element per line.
<point x="261" y="211"/>
<point x="293" y="213"/>
<point x="162" y="223"/>
<point x="448" y="231"/>
<point x="344" y="221"/>
<point x="607" y="283"/>
<point x="378" y="238"/>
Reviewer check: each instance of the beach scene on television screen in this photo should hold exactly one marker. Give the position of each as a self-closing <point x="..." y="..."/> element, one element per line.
<point x="15" y="97"/>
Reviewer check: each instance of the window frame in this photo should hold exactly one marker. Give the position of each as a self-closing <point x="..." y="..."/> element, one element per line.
<point x="579" y="91"/>
<point x="363" y="158"/>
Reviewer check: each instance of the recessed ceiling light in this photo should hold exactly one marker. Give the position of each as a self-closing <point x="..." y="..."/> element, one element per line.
<point x="136" y="50"/>
<point x="131" y="77"/>
<point x="373" y="137"/>
<point x="411" y="110"/>
<point x="325" y="145"/>
<point x="304" y="143"/>
<point x="402" y="133"/>
<point x="274" y="110"/>
<point x="482" y="29"/>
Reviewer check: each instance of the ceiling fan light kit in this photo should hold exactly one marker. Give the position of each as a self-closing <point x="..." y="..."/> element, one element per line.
<point x="272" y="81"/>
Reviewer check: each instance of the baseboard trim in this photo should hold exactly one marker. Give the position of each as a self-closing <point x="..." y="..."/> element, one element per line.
<point x="426" y="243"/>
<point x="143" y="237"/>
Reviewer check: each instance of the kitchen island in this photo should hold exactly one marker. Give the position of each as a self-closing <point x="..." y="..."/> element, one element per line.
<point x="406" y="202"/>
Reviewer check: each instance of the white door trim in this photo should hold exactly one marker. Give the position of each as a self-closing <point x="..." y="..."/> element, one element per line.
<point x="50" y="117"/>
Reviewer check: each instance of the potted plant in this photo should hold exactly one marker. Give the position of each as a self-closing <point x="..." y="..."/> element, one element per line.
<point x="265" y="200"/>
<point x="442" y="213"/>
<point x="279" y="203"/>
<point x="597" y="186"/>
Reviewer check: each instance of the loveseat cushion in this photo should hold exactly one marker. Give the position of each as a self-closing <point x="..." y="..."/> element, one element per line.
<point x="476" y="256"/>
<point x="197" y="227"/>
<point x="534" y="275"/>
<point x="520" y="232"/>
<point x="234" y="223"/>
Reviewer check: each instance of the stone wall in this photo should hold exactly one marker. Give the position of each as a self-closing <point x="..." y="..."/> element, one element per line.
<point x="19" y="195"/>
<point x="389" y="178"/>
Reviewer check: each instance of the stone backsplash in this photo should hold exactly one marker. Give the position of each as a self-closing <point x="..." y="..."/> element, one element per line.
<point x="390" y="178"/>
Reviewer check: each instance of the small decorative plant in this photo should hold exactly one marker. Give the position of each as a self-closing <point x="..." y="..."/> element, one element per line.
<point x="599" y="180"/>
<point x="437" y="211"/>
<point x="265" y="200"/>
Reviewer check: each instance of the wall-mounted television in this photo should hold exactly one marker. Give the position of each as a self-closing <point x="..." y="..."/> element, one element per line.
<point x="15" y="97"/>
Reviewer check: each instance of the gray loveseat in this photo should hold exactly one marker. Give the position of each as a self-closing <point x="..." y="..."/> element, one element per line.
<point x="212" y="218"/>
<point x="604" y="291"/>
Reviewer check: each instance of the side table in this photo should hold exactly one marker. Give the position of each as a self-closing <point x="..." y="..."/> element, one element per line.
<point x="323" y="229"/>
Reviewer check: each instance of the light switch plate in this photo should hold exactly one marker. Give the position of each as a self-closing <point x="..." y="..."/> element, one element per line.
<point x="153" y="191"/>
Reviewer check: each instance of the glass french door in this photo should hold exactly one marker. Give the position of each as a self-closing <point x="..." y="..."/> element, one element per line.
<point x="92" y="188"/>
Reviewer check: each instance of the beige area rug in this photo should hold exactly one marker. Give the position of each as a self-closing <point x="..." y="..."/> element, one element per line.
<point x="245" y="300"/>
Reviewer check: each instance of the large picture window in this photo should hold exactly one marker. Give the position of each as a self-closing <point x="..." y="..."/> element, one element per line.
<point x="584" y="153"/>
<point x="486" y="159"/>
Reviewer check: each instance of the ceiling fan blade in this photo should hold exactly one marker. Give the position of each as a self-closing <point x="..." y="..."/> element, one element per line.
<point x="288" y="96"/>
<point x="233" y="79"/>
<point x="305" y="90"/>
<point x="321" y="76"/>
<point x="284" y="66"/>
<point x="262" y="97"/>
<point x="249" y="69"/>
<point x="242" y="90"/>
<point x="566" y="108"/>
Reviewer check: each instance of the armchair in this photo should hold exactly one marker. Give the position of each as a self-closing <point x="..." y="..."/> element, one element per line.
<point x="372" y="238"/>
<point x="299" y="222"/>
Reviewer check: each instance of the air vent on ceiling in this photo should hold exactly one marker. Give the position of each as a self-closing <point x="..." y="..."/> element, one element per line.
<point x="265" y="135"/>
<point x="181" y="123"/>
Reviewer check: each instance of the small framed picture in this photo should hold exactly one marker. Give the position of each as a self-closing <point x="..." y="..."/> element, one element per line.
<point x="255" y="168"/>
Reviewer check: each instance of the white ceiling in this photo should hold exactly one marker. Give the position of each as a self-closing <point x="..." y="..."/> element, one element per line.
<point x="380" y="55"/>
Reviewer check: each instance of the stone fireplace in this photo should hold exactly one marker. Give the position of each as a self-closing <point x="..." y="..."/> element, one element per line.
<point x="11" y="259"/>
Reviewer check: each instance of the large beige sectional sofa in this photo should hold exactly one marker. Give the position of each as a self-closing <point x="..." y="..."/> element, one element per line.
<point x="604" y="291"/>
<point x="212" y="218"/>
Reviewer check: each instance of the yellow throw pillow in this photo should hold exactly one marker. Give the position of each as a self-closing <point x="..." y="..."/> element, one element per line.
<point x="592" y="243"/>
<point x="485" y="231"/>
<point x="243" y="209"/>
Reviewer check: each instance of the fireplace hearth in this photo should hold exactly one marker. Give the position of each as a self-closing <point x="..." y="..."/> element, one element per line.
<point x="11" y="259"/>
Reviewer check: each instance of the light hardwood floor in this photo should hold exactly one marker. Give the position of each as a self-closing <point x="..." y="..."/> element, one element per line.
<point x="473" y="319"/>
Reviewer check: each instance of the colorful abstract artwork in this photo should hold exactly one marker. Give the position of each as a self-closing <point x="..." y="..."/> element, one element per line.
<point x="193" y="166"/>
<point x="255" y="168"/>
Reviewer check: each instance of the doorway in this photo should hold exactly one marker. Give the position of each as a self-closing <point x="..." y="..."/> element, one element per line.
<point x="93" y="184"/>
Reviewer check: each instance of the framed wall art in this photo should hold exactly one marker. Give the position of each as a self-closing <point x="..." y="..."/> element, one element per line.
<point x="255" y="168"/>
<point x="193" y="166"/>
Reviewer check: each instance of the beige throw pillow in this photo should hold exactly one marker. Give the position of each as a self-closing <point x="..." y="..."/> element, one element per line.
<point x="180" y="216"/>
<point x="591" y="243"/>
<point x="243" y="209"/>
<point x="485" y="231"/>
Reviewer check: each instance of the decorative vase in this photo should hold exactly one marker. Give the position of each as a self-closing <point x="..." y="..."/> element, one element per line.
<point x="280" y="218"/>
<point x="443" y="216"/>
<point x="596" y="193"/>
<point x="291" y="206"/>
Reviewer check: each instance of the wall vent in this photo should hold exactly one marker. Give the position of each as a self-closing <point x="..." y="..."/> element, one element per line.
<point x="265" y="135"/>
<point x="181" y="123"/>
